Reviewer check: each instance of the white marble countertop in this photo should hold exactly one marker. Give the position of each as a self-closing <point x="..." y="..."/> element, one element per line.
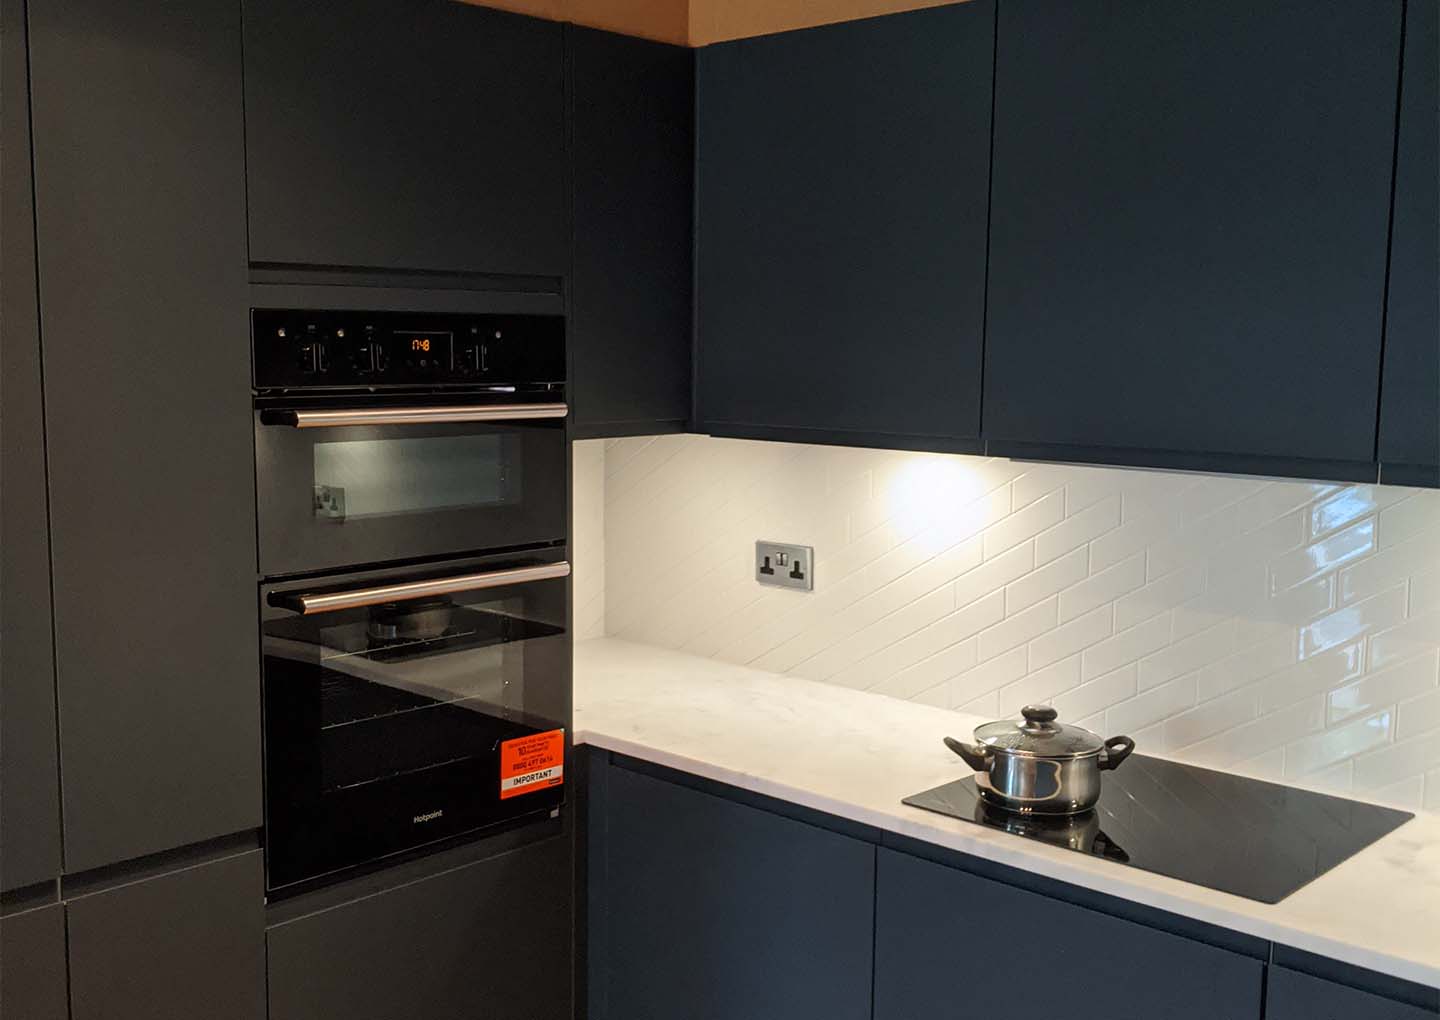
<point x="856" y="755"/>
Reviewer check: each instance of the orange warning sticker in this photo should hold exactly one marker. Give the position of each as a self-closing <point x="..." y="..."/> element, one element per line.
<point x="536" y="762"/>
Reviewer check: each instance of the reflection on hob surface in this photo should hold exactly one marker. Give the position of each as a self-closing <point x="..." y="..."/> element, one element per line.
<point x="1237" y="835"/>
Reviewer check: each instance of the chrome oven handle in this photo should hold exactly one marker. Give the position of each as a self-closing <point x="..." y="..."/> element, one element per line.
<point x="329" y="602"/>
<point x="320" y="418"/>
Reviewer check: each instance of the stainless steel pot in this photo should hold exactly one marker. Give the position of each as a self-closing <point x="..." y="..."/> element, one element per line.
<point x="1039" y="766"/>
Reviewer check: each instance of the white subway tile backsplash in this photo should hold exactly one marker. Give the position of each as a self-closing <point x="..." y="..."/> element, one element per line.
<point x="1039" y="686"/>
<point x="1268" y="732"/>
<point x="1212" y="717"/>
<point x="1245" y="667"/>
<point x="1387" y="687"/>
<point x="1375" y="574"/>
<point x="1071" y="638"/>
<point x="1324" y="749"/>
<point x="1018" y="629"/>
<point x="1085" y="525"/>
<point x="1188" y="654"/>
<point x="1424" y="593"/>
<point x="1048" y="580"/>
<point x="1404" y="520"/>
<point x="1025" y="523"/>
<point x="1102" y="587"/>
<point x="1152" y="706"/>
<point x="1419" y="716"/>
<point x="1312" y="676"/>
<point x="1094" y="696"/>
<point x="1174" y="589"/>
<point x="1130" y="538"/>
<point x="1285" y="628"/>
<point x="1350" y="504"/>
<point x="1126" y="646"/>
<point x="1413" y="637"/>
<point x="989" y="675"/>
<point x="1332" y="551"/>
<point x="1375" y="613"/>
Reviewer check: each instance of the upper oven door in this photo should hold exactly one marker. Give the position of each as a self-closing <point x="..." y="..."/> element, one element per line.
<point x="341" y="486"/>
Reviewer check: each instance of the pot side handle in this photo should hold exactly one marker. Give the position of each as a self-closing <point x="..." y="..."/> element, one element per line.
<point x="1117" y="749"/>
<point x="978" y="758"/>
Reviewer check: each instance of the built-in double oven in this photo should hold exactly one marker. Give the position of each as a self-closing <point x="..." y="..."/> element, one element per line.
<point x="412" y="502"/>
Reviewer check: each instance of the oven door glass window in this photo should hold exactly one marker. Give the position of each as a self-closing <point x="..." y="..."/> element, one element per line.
<point x="384" y="724"/>
<point x="337" y="497"/>
<point x="360" y="478"/>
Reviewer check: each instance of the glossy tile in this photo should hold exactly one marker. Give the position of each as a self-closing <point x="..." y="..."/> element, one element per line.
<point x="1231" y="620"/>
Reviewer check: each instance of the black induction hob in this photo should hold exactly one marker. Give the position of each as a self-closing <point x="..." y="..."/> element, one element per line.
<point x="1242" y="836"/>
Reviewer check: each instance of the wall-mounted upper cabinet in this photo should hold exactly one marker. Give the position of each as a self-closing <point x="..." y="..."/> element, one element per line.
<point x="841" y="203"/>
<point x="1410" y="392"/>
<point x="140" y="227"/>
<point x="634" y="146"/>
<point x="1188" y="232"/>
<point x="425" y="135"/>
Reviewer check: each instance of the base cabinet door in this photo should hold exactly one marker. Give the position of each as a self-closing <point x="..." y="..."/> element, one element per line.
<point x="487" y="939"/>
<point x="707" y="909"/>
<point x="32" y="964"/>
<point x="945" y="937"/>
<point x="179" y="946"/>
<point x="1291" y="995"/>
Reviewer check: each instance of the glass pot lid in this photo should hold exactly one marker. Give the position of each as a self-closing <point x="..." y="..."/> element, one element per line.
<point x="1038" y="734"/>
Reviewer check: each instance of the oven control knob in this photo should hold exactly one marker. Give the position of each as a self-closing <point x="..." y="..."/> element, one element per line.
<point x="379" y="360"/>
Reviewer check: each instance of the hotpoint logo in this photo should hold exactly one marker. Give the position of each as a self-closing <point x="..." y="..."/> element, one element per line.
<point x="429" y="816"/>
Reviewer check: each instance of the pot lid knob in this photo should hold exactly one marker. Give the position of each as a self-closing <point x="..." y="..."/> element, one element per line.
<point x="1039" y="714"/>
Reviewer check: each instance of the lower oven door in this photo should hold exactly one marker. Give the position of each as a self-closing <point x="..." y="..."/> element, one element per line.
<point x="403" y="708"/>
<point x="346" y="485"/>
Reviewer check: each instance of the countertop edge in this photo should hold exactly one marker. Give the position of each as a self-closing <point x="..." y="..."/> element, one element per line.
<point x="1024" y="858"/>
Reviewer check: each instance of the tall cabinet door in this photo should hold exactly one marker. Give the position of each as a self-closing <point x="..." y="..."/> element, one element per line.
<point x="841" y="203"/>
<point x="1410" y="392"/>
<point x="29" y="781"/>
<point x="1188" y="231"/>
<point x="140" y="211"/>
<point x="425" y="135"/>
<point x="634" y="144"/>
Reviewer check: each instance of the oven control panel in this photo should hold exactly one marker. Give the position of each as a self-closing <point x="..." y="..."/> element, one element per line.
<point x="309" y="349"/>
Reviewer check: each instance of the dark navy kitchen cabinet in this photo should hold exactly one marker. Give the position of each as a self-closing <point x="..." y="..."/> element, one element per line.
<point x="184" y="944"/>
<point x="489" y="938"/>
<point x="140" y="225"/>
<point x="708" y="909"/>
<point x="1410" y="390"/>
<point x="842" y="178"/>
<point x="32" y="964"/>
<point x="426" y="135"/>
<point x="1188" y="232"/>
<point x="630" y="323"/>
<point x="1293" y="995"/>
<point x="29" y="778"/>
<point x="934" y="924"/>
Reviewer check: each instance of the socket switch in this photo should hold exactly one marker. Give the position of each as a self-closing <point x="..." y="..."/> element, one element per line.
<point x="785" y="566"/>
